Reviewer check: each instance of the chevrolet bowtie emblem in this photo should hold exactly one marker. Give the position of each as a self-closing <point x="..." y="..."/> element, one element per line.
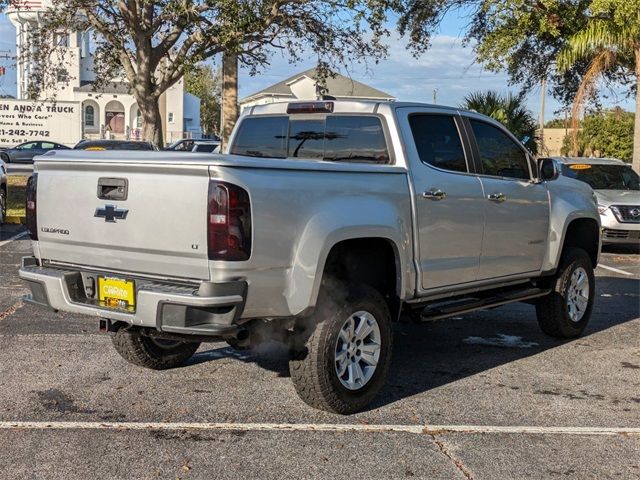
<point x="111" y="213"/>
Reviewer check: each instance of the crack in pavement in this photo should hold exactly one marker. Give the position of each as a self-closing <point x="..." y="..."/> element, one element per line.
<point x="456" y="461"/>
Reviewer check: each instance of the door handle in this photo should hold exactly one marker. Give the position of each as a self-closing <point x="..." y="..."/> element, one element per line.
<point x="434" y="194"/>
<point x="497" y="197"/>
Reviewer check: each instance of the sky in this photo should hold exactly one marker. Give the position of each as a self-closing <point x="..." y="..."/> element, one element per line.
<point x="447" y="67"/>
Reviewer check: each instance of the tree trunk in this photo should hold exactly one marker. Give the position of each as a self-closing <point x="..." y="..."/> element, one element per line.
<point x="636" y="127"/>
<point x="230" y="109"/>
<point x="151" y="120"/>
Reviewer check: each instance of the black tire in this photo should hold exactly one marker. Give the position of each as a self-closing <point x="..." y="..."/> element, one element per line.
<point x="553" y="311"/>
<point x="153" y="353"/>
<point x="3" y="205"/>
<point x="313" y="365"/>
<point x="5" y="158"/>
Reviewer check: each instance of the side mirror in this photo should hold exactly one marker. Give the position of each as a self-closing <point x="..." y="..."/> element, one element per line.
<point x="547" y="169"/>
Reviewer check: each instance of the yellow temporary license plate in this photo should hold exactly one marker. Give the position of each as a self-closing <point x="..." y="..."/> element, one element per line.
<point x="116" y="293"/>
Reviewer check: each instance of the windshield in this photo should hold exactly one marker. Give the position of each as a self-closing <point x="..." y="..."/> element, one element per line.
<point x="604" y="177"/>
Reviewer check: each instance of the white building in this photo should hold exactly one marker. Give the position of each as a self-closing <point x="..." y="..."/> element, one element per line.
<point x="110" y="112"/>
<point x="304" y="86"/>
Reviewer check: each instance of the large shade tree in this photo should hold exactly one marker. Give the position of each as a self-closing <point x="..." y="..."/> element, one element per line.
<point x="152" y="43"/>
<point x="610" y="41"/>
<point x="527" y="38"/>
<point x="521" y="37"/>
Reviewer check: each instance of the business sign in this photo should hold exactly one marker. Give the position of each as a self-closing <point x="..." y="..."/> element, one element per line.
<point x="25" y="120"/>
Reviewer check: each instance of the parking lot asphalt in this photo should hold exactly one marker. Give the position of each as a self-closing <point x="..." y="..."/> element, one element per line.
<point x="486" y="369"/>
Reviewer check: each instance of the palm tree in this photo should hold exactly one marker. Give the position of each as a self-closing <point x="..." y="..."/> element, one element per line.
<point x="510" y="110"/>
<point x="611" y="36"/>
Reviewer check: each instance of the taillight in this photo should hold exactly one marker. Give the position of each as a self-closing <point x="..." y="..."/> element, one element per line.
<point x="228" y="222"/>
<point x="30" y="206"/>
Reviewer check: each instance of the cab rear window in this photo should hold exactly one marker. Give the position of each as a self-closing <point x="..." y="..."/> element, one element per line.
<point x="335" y="138"/>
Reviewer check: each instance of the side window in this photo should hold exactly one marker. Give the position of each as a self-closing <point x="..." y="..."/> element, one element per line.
<point x="355" y="139"/>
<point x="47" y="145"/>
<point x="438" y="142"/>
<point x="501" y="156"/>
<point x="185" y="146"/>
<point x="262" y="137"/>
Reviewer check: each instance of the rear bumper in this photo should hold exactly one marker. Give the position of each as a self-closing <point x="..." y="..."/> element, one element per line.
<point x="209" y="309"/>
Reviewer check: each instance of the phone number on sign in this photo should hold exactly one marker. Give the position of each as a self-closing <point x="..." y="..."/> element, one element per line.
<point x="24" y="133"/>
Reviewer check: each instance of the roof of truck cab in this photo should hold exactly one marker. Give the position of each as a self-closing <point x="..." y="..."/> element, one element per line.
<point x="344" y="106"/>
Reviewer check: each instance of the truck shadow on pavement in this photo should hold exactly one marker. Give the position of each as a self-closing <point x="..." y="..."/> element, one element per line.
<point x="433" y="354"/>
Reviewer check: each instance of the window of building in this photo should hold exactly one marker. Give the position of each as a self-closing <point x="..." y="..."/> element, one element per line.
<point x="89" y="116"/>
<point x="61" y="39"/>
<point x="170" y="117"/>
<point x="138" y="119"/>
<point x="438" y="142"/>
<point x="500" y="155"/>
<point x="62" y="76"/>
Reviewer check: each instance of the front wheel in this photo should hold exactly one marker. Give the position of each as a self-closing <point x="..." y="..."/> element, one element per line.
<point x="149" y="352"/>
<point x="345" y="359"/>
<point x="565" y="312"/>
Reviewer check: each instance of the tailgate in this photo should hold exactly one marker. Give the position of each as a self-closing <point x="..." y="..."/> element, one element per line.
<point x="159" y="229"/>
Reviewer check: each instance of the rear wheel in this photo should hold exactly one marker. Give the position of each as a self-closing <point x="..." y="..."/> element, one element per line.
<point x="5" y="158"/>
<point x="565" y="312"/>
<point x="345" y="359"/>
<point x="149" y="352"/>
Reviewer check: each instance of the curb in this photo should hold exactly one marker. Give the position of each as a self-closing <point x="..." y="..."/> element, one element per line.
<point x="15" y="219"/>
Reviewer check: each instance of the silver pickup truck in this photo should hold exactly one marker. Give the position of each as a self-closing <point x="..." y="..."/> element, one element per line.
<point x="323" y="223"/>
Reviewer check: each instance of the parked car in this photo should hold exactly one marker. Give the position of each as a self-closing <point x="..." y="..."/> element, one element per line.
<point x="190" y="144"/>
<point x="97" y="145"/>
<point x="3" y="191"/>
<point x="617" y="188"/>
<point x="26" y="151"/>
<point x="325" y="222"/>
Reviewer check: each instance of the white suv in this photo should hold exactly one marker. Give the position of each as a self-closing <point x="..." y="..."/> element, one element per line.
<point x="617" y="188"/>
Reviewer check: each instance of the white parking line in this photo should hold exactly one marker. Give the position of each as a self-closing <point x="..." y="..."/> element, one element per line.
<point x="321" y="427"/>
<point x="617" y="270"/>
<point x="15" y="237"/>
